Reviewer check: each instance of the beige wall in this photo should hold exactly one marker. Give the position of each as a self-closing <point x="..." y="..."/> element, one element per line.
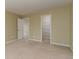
<point x="10" y="26"/>
<point x="61" y="25"/>
<point x="35" y="27"/>
<point x="71" y="27"/>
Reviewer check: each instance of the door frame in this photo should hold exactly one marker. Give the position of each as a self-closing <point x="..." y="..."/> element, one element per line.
<point x="50" y="28"/>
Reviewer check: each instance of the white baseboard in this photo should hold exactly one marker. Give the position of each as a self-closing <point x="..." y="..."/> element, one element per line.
<point x="7" y="42"/>
<point x="60" y="44"/>
<point x="35" y="40"/>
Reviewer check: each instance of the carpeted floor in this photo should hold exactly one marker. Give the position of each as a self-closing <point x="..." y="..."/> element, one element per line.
<point x="34" y="50"/>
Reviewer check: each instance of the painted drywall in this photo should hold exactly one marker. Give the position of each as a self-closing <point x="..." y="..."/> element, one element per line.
<point x="10" y="26"/>
<point x="61" y="25"/>
<point x="35" y="28"/>
<point x="71" y="27"/>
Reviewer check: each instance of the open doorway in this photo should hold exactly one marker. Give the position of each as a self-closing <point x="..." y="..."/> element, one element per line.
<point x="46" y="28"/>
<point x="23" y="28"/>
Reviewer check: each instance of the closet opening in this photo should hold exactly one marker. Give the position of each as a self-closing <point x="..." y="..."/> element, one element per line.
<point x="46" y="28"/>
<point x="23" y="28"/>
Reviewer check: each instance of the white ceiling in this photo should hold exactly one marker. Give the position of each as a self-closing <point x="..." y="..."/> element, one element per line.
<point x="24" y="7"/>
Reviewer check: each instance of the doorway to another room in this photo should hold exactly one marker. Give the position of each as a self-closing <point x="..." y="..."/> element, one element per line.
<point x="46" y="28"/>
<point x="23" y="28"/>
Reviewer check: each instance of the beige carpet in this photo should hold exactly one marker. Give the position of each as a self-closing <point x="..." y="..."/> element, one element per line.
<point x="34" y="50"/>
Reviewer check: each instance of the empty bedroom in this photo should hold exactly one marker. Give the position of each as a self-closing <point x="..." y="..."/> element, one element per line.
<point x="38" y="29"/>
